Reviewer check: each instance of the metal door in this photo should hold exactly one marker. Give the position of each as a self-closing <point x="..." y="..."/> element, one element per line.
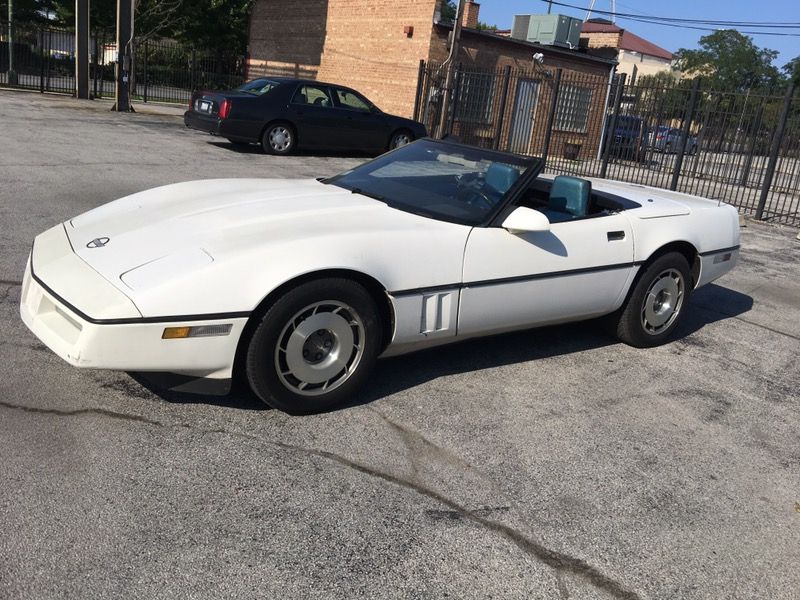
<point x="519" y="138"/>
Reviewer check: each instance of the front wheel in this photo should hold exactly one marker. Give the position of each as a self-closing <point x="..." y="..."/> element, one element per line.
<point x="657" y="302"/>
<point x="278" y="138"/>
<point x="315" y="347"/>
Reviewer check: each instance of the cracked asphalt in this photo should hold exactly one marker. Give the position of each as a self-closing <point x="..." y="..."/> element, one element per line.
<point x="554" y="463"/>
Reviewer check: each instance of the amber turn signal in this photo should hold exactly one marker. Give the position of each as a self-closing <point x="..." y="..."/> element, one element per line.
<point x="174" y="333"/>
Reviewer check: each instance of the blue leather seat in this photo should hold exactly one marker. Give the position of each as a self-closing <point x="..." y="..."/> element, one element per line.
<point x="569" y="199"/>
<point x="501" y="177"/>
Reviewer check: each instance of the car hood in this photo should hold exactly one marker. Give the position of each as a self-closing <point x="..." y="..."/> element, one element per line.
<point x="183" y="227"/>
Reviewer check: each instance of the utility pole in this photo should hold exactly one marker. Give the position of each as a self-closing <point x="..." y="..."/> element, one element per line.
<point x="82" y="49"/>
<point x="451" y="58"/>
<point x="12" y="75"/>
<point x="124" y="42"/>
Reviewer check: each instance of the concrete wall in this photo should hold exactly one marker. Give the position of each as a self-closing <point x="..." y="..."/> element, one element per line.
<point x="373" y="46"/>
<point x="285" y="40"/>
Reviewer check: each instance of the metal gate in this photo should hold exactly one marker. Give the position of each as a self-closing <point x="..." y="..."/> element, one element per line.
<point x="519" y="137"/>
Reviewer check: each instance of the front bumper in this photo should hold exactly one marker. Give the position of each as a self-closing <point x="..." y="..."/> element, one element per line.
<point x="127" y="343"/>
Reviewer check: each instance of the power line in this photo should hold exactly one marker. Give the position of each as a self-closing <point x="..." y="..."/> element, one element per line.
<point x="680" y="26"/>
<point x="687" y="23"/>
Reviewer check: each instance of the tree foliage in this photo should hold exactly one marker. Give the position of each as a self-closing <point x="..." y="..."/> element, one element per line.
<point x="731" y="62"/>
<point x="448" y="10"/>
<point x="792" y="69"/>
<point x="212" y="24"/>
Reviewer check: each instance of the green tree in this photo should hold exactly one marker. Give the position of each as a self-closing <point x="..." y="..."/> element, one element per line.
<point x="731" y="62"/>
<point x="792" y="69"/>
<point x="448" y="11"/>
<point x="217" y="24"/>
<point x="212" y="24"/>
<point x="25" y="11"/>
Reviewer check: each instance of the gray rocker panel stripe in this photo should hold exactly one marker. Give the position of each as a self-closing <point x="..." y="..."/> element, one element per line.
<point x="515" y="279"/>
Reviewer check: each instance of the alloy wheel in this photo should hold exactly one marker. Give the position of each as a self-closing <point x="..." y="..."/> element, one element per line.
<point x="319" y="348"/>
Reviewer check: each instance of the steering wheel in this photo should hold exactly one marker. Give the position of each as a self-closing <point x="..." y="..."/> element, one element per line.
<point x="473" y="195"/>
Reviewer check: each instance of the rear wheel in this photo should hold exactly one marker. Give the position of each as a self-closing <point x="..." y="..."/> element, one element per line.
<point x="315" y="347"/>
<point x="278" y="138"/>
<point x="400" y="138"/>
<point x="657" y="303"/>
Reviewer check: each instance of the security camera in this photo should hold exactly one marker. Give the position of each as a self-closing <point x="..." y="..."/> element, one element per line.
<point x="538" y="58"/>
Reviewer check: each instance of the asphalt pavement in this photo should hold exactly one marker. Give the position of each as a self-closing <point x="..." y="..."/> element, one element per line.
<point x="554" y="463"/>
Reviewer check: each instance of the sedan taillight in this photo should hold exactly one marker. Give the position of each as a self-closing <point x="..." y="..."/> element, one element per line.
<point x="224" y="109"/>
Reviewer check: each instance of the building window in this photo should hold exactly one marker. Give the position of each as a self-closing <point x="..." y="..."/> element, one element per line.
<point x="475" y="96"/>
<point x="572" y="112"/>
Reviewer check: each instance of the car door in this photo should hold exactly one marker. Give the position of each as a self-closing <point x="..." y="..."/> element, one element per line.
<point x="311" y="109"/>
<point x="365" y="126"/>
<point x="578" y="269"/>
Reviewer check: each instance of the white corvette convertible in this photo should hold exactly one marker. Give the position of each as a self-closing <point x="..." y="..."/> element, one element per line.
<point x="299" y="286"/>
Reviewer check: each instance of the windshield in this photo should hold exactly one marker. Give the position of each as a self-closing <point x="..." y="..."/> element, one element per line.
<point x="258" y="87"/>
<point x="441" y="180"/>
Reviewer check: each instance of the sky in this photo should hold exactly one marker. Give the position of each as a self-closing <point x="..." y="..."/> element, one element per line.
<point x="501" y="13"/>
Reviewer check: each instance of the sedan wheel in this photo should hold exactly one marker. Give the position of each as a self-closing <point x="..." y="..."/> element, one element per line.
<point x="400" y="138"/>
<point x="314" y="348"/>
<point x="278" y="139"/>
<point x="656" y="303"/>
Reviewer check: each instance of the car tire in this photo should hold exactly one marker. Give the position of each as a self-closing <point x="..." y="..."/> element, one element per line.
<point x="315" y="346"/>
<point x="400" y="138"/>
<point x="656" y="304"/>
<point x="279" y="138"/>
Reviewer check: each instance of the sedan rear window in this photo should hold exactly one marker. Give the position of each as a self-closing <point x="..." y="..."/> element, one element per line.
<point x="258" y="87"/>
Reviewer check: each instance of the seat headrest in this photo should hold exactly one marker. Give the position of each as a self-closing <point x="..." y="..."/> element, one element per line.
<point x="501" y="177"/>
<point x="571" y="195"/>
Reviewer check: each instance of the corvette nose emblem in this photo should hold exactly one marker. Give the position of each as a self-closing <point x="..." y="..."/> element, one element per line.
<point x="98" y="242"/>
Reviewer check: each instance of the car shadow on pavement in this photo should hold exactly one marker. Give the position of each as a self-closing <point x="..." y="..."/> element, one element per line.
<point x="709" y="304"/>
<point x="256" y="149"/>
<point x="163" y="385"/>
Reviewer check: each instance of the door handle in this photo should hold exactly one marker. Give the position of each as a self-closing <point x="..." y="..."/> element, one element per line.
<point x="614" y="236"/>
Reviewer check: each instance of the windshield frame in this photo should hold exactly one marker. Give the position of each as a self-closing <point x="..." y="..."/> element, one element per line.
<point x="533" y="167"/>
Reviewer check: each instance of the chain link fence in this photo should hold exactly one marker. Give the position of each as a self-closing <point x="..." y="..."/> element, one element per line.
<point x="742" y="148"/>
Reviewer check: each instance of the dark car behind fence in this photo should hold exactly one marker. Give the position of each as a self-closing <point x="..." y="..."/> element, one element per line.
<point x="745" y="146"/>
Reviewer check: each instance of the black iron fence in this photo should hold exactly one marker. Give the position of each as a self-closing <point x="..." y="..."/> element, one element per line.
<point x="38" y="58"/>
<point x="43" y="58"/>
<point x="742" y="148"/>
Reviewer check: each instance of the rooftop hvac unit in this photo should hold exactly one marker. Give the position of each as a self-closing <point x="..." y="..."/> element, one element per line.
<point x="549" y="30"/>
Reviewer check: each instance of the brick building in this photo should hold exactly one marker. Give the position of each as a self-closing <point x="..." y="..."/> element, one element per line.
<point x="634" y="54"/>
<point x="376" y="46"/>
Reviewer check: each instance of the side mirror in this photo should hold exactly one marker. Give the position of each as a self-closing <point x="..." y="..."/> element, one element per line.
<point x="523" y="220"/>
